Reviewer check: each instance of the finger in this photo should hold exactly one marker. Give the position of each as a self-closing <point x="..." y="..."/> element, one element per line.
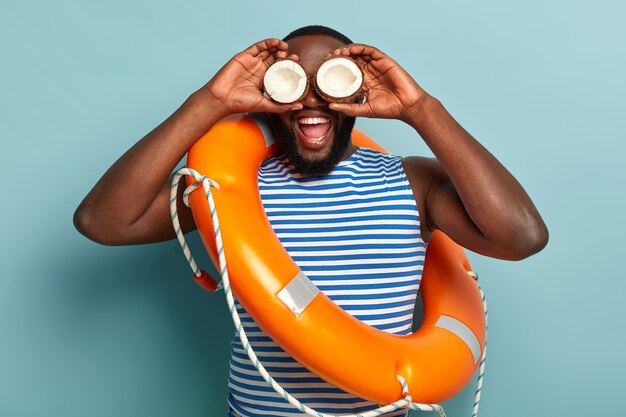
<point x="352" y="110"/>
<point x="361" y="60"/>
<point x="274" y="56"/>
<point x="366" y="52"/>
<point x="270" y="54"/>
<point x="265" y="48"/>
<point x="374" y="67"/>
<point x="268" y="106"/>
<point x="344" y="51"/>
<point x="280" y="55"/>
<point x="336" y="52"/>
<point x="265" y="45"/>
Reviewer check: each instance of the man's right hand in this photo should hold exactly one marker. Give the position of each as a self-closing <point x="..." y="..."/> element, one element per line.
<point x="238" y="86"/>
<point x="130" y="203"/>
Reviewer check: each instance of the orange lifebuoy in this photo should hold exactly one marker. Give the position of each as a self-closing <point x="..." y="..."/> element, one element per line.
<point x="437" y="361"/>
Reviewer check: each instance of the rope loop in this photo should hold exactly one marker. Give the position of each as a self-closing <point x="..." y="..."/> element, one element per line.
<point x="206" y="183"/>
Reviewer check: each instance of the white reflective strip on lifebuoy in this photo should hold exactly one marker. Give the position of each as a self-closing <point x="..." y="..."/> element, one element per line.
<point x="463" y="332"/>
<point x="260" y="121"/>
<point x="298" y="293"/>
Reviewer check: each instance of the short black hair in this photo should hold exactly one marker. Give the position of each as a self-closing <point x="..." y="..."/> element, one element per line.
<point x="318" y="30"/>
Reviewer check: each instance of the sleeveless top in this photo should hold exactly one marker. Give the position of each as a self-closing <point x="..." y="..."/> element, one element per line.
<point x="356" y="234"/>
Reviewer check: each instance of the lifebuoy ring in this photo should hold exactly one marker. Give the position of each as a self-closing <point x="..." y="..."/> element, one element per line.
<point x="437" y="361"/>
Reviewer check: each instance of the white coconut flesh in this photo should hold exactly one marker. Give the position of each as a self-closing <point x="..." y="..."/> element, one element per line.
<point x="339" y="77"/>
<point x="285" y="81"/>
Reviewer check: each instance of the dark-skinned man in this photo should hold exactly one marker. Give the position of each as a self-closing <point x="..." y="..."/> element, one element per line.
<point x="345" y="214"/>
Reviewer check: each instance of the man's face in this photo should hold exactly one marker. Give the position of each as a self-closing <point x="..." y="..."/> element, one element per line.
<point x="315" y="138"/>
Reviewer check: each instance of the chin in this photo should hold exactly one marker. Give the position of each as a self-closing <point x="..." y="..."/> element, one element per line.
<point x="316" y="155"/>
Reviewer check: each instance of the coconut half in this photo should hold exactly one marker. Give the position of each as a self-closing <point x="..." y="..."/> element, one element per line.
<point x="339" y="79"/>
<point x="285" y="81"/>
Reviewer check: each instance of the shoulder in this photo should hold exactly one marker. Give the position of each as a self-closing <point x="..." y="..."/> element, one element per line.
<point x="422" y="173"/>
<point x="376" y="160"/>
<point x="423" y="168"/>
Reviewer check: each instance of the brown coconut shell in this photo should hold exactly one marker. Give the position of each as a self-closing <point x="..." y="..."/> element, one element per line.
<point x="333" y="99"/>
<point x="306" y="87"/>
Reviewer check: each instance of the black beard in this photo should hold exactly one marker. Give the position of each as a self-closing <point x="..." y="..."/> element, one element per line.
<point x="314" y="167"/>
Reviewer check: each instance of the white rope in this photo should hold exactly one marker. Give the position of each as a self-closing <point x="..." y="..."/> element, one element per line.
<point x="405" y="402"/>
<point x="199" y="179"/>
<point x="483" y="358"/>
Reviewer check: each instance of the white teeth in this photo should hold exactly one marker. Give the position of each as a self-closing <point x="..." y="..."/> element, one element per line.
<point x="313" y="120"/>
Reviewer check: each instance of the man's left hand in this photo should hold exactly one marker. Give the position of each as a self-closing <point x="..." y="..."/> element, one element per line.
<point x="390" y="92"/>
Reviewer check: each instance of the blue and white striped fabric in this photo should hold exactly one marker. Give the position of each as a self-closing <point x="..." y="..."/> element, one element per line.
<point x="356" y="234"/>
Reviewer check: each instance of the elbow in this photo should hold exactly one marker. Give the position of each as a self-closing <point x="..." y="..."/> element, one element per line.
<point x="532" y="240"/>
<point x="92" y="229"/>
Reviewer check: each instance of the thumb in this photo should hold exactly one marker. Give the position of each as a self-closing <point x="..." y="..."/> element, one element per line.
<point x="268" y="106"/>
<point x="351" y="109"/>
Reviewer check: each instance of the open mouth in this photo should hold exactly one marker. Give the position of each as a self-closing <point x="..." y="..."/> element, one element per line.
<point x="313" y="132"/>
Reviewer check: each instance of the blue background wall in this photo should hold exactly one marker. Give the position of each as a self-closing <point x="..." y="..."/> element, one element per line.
<point x="88" y="330"/>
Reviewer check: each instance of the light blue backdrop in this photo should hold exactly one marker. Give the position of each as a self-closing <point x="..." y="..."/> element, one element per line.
<point x="88" y="330"/>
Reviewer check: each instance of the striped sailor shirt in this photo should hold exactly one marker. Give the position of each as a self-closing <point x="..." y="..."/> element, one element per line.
<point x="356" y="234"/>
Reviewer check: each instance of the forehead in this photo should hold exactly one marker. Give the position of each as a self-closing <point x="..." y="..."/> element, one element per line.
<point x="312" y="49"/>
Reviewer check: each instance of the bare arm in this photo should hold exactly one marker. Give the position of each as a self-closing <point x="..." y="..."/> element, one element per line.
<point x="471" y="195"/>
<point x="130" y="203"/>
<point x="465" y="192"/>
